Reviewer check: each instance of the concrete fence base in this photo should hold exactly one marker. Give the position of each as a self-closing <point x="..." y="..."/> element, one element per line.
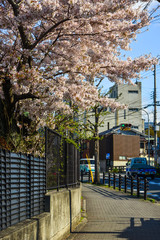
<point x="63" y="212"/>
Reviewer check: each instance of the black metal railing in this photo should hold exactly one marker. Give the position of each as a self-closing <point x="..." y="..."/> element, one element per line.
<point x="134" y="186"/>
<point x="62" y="161"/>
<point x="23" y="187"/>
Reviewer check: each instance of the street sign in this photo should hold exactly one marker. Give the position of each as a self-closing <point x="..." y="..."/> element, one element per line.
<point x="107" y="155"/>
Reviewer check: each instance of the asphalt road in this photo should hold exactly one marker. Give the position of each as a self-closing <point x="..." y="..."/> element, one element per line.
<point x="154" y="189"/>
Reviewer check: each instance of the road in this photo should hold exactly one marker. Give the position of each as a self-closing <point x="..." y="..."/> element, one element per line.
<point x="154" y="189"/>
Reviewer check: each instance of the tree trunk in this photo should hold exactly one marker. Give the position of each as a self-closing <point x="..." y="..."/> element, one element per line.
<point x="97" y="163"/>
<point x="3" y="121"/>
<point x="7" y="108"/>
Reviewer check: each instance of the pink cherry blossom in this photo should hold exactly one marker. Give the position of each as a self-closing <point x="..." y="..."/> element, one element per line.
<point x="51" y="52"/>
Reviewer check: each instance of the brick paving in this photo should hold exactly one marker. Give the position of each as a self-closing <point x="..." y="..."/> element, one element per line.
<point x="115" y="215"/>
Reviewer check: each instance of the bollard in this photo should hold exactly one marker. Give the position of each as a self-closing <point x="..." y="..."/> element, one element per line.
<point x="145" y="188"/>
<point x="114" y="181"/>
<point x="120" y="182"/>
<point x="131" y="185"/>
<point x="89" y="176"/>
<point x="109" y="179"/>
<point x="125" y="183"/>
<point x="103" y="178"/>
<point x="138" y="183"/>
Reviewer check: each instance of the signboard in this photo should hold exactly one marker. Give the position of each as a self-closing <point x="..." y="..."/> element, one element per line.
<point x="107" y="155"/>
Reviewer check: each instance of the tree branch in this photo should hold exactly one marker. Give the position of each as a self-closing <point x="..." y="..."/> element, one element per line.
<point x="24" y="96"/>
<point x="50" y="47"/>
<point x="44" y="34"/>
<point x="24" y="38"/>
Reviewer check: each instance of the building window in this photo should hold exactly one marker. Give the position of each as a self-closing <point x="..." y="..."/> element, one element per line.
<point x="133" y="91"/>
<point x="124" y="113"/>
<point x="133" y="109"/>
<point x="122" y="157"/>
<point x="135" y="127"/>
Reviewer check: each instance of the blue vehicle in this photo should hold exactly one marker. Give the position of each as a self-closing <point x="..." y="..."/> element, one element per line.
<point x="138" y="167"/>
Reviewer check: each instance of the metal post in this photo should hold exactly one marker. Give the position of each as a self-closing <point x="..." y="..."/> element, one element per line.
<point x="114" y="181"/>
<point x="66" y="162"/>
<point x="145" y="188"/>
<point x="125" y="183"/>
<point x="138" y="182"/>
<point x="148" y="136"/>
<point x="155" y="117"/>
<point x="46" y="138"/>
<point x="109" y="179"/>
<point x="131" y="185"/>
<point x="103" y="178"/>
<point x="119" y="182"/>
<point x="89" y="176"/>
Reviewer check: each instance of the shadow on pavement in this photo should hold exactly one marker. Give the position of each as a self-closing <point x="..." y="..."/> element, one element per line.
<point x="149" y="230"/>
<point x="107" y="193"/>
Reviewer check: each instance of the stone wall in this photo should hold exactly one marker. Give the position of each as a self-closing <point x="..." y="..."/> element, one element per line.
<point x="63" y="212"/>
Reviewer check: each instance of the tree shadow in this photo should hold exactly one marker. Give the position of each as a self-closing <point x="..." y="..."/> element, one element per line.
<point x="149" y="229"/>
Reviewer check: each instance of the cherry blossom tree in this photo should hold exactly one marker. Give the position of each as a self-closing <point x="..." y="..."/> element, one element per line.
<point x="51" y="49"/>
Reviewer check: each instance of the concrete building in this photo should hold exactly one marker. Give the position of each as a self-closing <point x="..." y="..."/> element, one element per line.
<point x="126" y="94"/>
<point x="131" y="96"/>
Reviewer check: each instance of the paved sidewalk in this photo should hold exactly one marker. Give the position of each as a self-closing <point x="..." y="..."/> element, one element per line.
<point x="114" y="215"/>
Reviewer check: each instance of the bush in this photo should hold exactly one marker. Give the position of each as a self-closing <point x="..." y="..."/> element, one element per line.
<point x="115" y="170"/>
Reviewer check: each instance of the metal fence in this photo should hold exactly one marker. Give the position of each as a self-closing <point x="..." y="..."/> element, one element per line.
<point x="134" y="186"/>
<point x="23" y="187"/>
<point x="62" y="161"/>
<point x="24" y="178"/>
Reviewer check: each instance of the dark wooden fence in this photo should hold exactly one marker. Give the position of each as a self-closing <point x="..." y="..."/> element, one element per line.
<point x="134" y="186"/>
<point x="23" y="187"/>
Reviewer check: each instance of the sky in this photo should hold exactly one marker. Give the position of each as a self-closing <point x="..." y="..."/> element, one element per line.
<point x="148" y="42"/>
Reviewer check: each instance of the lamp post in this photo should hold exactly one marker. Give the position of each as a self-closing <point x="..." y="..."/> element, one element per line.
<point x="148" y="136"/>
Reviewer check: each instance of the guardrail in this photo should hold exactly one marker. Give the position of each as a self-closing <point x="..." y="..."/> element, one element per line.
<point x="132" y="185"/>
<point x="128" y="184"/>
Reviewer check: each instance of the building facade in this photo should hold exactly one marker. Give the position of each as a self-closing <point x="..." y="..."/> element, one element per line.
<point x="131" y="96"/>
<point x="119" y="144"/>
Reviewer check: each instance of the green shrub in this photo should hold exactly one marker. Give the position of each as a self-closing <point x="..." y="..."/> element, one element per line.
<point x="115" y="170"/>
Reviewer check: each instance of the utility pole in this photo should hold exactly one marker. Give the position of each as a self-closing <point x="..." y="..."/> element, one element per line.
<point x="117" y="118"/>
<point x="97" y="163"/>
<point x="155" y="117"/>
<point x="148" y="136"/>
